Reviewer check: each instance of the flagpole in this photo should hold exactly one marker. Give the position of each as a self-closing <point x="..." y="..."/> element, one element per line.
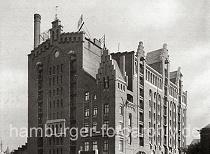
<point x="81" y="27"/>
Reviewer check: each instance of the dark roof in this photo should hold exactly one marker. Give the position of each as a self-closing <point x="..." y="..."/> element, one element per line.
<point x="208" y="126"/>
<point x="173" y="74"/>
<point x="154" y="56"/>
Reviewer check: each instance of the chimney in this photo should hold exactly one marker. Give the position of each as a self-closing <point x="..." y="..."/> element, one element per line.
<point x="37" y="21"/>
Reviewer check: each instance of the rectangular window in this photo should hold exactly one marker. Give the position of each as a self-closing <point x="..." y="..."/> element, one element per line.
<point x="121" y="127"/>
<point x="61" y="67"/>
<point x="53" y="69"/>
<point x="106" y="124"/>
<point x="141" y="129"/>
<point x="141" y="141"/>
<point x="57" y="80"/>
<point x="61" y="79"/>
<point x="94" y="127"/>
<point x="141" y="117"/>
<point x="94" y="97"/>
<point x="57" y="102"/>
<point x="86" y="127"/>
<point x="53" y="81"/>
<point x="57" y="91"/>
<point x="87" y="112"/>
<point x="87" y="96"/>
<point x="121" y="110"/>
<point x="130" y="138"/>
<point x="106" y="109"/>
<point x="95" y="145"/>
<point x="50" y="71"/>
<point x="86" y="146"/>
<point x="121" y="145"/>
<point x="141" y="104"/>
<point x="106" y="145"/>
<point x="95" y="111"/>
<point x="130" y="120"/>
<point x="61" y="102"/>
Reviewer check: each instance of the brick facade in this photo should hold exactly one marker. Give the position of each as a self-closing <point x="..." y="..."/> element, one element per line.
<point x="73" y="82"/>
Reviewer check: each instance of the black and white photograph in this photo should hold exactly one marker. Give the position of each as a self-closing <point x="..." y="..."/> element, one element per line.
<point x="105" y="77"/>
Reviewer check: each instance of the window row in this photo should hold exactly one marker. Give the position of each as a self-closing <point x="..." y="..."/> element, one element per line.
<point x="88" y="96"/>
<point x="95" y="146"/>
<point x="54" y="92"/>
<point x="155" y="80"/>
<point x="56" y="104"/>
<point x="173" y="92"/>
<point x="95" y="111"/>
<point x="56" y="151"/>
<point x="57" y="115"/>
<point x="55" y="140"/>
<point x="55" y="80"/>
<point x="94" y="126"/>
<point x="121" y="86"/>
<point x="56" y="69"/>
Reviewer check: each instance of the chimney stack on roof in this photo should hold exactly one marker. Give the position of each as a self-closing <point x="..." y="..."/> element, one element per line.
<point x="37" y="22"/>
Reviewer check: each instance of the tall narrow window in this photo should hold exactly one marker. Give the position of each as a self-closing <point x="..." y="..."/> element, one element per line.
<point x="141" y="117"/>
<point x="130" y="120"/>
<point x="121" y="145"/>
<point x="130" y="138"/>
<point x="95" y="111"/>
<point x="86" y="146"/>
<point x="106" y="109"/>
<point x="87" y="113"/>
<point x="87" y="96"/>
<point x="50" y="70"/>
<point x="106" y="124"/>
<point x="61" y="79"/>
<point x="121" y="110"/>
<point x="106" y="146"/>
<point x="61" y="67"/>
<point x="95" y="145"/>
<point x="94" y="127"/>
<point x="141" y="141"/>
<point x="53" y="69"/>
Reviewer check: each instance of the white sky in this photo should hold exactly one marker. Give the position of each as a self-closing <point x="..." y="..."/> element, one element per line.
<point x="183" y="24"/>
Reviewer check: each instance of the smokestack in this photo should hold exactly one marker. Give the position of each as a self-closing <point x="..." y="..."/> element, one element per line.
<point x="37" y="21"/>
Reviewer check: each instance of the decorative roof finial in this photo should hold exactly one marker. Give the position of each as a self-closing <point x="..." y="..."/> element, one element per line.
<point x="165" y="46"/>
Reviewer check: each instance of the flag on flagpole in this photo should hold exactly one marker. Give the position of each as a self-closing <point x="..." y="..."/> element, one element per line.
<point x="80" y="23"/>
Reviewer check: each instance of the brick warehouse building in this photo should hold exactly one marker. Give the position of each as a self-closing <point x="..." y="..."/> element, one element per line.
<point x="74" y="82"/>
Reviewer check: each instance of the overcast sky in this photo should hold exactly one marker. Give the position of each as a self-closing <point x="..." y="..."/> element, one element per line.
<point x="183" y="24"/>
